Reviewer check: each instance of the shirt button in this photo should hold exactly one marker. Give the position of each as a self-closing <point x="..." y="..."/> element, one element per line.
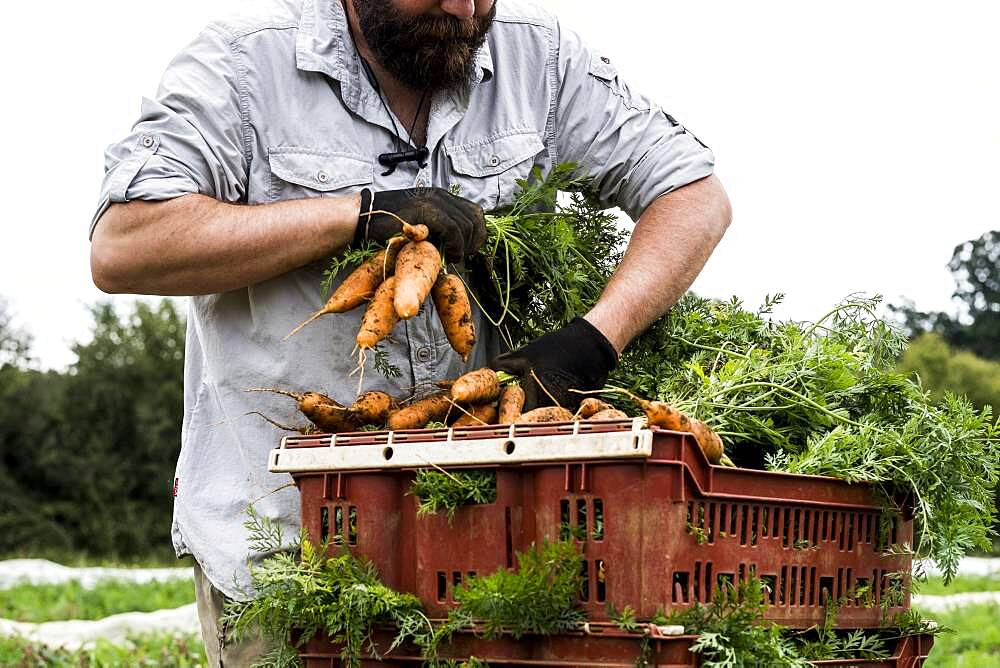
<point x="494" y="160"/>
<point x="147" y="141"/>
<point x="322" y="177"/>
<point x="424" y="355"/>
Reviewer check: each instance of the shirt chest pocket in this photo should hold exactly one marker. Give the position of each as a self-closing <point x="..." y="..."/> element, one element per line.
<point x="297" y="172"/>
<point x="487" y="172"/>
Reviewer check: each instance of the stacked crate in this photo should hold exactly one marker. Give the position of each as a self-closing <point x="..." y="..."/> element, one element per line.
<point x="658" y="526"/>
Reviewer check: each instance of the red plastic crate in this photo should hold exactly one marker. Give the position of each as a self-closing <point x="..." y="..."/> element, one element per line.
<point x="661" y="531"/>
<point x="600" y="646"/>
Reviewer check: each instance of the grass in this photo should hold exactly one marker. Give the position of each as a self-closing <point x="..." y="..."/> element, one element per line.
<point x="960" y="585"/>
<point x="44" y="603"/>
<point x="975" y="642"/>
<point x="166" y="650"/>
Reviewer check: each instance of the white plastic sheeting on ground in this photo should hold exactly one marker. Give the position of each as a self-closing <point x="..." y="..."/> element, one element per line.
<point x="928" y="603"/>
<point x="40" y="571"/>
<point x="970" y="566"/>
<point x="72" y="635"/>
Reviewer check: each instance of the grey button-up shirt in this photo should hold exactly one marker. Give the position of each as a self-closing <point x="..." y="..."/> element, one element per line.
<point x="274" y="108"/>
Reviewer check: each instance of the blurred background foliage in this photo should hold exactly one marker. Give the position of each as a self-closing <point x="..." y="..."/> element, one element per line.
<point x="87" y="455"/>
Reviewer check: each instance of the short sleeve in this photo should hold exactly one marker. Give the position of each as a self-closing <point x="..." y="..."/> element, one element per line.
<point x="631" y="149"/>
<point x="189" y="139"/>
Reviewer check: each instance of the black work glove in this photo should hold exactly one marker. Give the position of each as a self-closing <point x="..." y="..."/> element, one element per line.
<point x="576" y="357"/>
<point x="455" y="223"/>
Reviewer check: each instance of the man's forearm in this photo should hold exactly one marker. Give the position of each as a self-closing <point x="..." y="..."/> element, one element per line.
<point x="195" y="245"/>
<point x="672" y="241"/>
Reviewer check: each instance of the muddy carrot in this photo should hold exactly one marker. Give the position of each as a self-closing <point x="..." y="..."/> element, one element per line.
<point x="476" y="415"/>
<point x="419" y="413"/>
<point x="546" y="414"/>
<point x="453" y="308"/>
<point x="359" y="286"/>
<point x="608" y="414"/>
<point x="417" y="268"/>
<point x="476" y="387"/>
<point x="380" y="317"/>
<point x="511" y="403"/>
<point x="321" y="410"/>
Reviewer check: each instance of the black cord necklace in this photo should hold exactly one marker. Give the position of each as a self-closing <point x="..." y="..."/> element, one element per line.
<point x="391" y="160"/>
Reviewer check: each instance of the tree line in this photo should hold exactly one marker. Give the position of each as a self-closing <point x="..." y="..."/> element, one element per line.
<point x="960" y="351"/>
<point x="87" y="455"/>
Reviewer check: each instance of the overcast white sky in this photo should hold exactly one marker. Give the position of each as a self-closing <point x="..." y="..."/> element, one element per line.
<point x="859" y="141"/>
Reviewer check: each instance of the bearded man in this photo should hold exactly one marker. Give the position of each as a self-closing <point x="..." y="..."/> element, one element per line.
<point x="268" y="144"/>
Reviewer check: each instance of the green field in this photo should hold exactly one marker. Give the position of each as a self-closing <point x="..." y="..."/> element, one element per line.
<point x="45" y="603"/>
<point x="42" y="603"/>
<point x="960" y="585"/>
<point x="975" y="642"/>
<point x="151" y="650"/>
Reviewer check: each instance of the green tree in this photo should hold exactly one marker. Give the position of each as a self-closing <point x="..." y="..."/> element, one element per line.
<point x="975" y="265"/>
<point x="88" y="455"/>
<point x="14" y="342"/>
<point x="943" y="368"/>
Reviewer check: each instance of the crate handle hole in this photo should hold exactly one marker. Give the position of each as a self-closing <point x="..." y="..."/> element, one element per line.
<point x="508" y="447"/>
<point x="387" y="453"/>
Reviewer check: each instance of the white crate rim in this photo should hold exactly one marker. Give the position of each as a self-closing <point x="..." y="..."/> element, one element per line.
<point x="508" y="449"/>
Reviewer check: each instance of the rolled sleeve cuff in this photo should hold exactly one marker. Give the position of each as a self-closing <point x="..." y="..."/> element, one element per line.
<point x="661" y="171"/>
<point x="142" y="175"/>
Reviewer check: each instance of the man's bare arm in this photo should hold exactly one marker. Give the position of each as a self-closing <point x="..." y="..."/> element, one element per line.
<point x="670" y="244"/>
<point x="196" y="245"/>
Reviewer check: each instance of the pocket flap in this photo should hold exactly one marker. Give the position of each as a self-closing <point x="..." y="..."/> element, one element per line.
<point x="493" y="156"/>
<point x="320" y="170"/>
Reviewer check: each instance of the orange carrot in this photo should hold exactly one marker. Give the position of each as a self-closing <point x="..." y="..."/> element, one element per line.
<point x="416" y="232"/>
<point x="608" y="414"/>
<point x="453" y="307"/>
<point x="321" y="410"/>
<point x="476" y="387"/>
<point x="419" y="413"/>
<point x="708" y="440"/>
<point x="417" y="268"/>
<point x="358" y="287"/>
<point x="511" y="403"/>
<point x="591" y="406"/>
<point x="663" y="415"/>
<point x="476" y="415"/>
<point x="372" y="407"/>
<point x="546" y="414"/>
<point x="380" y="317"/>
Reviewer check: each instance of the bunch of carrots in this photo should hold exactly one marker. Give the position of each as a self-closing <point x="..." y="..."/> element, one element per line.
<point x="396" y="282"/>
<point x="482" y="397"/>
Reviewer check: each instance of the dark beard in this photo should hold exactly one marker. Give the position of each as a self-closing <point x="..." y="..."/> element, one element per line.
<point x="436" y="52"/>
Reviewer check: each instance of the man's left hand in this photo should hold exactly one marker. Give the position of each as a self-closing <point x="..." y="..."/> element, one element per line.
<point x="576" y="357"/>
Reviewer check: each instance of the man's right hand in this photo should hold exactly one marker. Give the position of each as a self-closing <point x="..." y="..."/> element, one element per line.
<point x="455" y="223"/>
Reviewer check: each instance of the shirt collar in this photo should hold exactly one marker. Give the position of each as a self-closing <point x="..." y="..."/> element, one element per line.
<point x="484" y="63"/>
<point x="324" y="45"/>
